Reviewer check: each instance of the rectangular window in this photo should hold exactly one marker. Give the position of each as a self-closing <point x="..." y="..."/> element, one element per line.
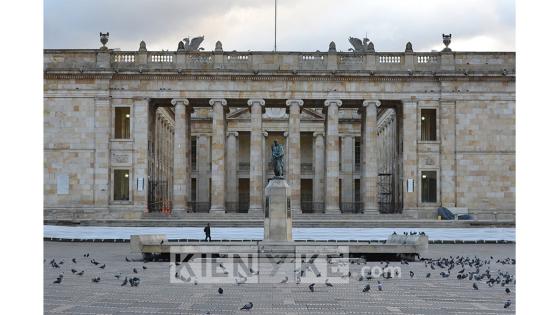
<point x="193" y="153"/>
<point x="357" y="153"/>
<point x="429" y="186"/>
<point x="121" y="183"/>
<point x="122" y="122"/>
<point x="428" y="124"/>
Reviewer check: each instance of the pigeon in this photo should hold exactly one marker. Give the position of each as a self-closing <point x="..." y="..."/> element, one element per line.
<point x="507" y="304"/>
<point x="134" y="270"/>
<point x="126" y="258"/>
<point x="285" y="280"/>
<point x="144" y="267"/>
<point x="220" y="290"/>
<point x="508" y="291"/>
<point x="74" y="260"/>
<point x="58" y="280"/>
<point x="134" y="282"/>
<point x="411" y="274"/>
<point x="428" y="275"/>
<point x="124" y="282"/>
<point x="366" y="288"/>
<point x="328" y="283"/>
<point x="475" y="286"/>
<point x="117" y="276"/>
<point x="96" y="279"/>
<point x="312" y="287"/>
<point x="379" y="286"/>
<point x="102" y="267"/>
<point x="74" y="270"/>
<point x="81" y="273"/>
<point x="247" y="307"/>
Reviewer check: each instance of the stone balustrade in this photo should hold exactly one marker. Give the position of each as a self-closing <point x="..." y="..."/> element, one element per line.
<point x="263" y="62"/>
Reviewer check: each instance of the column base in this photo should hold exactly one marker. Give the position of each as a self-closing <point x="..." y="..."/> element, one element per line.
<point x="255" y="210"/>
<point x="334" y="210"/>
<point x="370" y="211"/>
<point x="217" y="209"/>
<point x="179" y="212"/>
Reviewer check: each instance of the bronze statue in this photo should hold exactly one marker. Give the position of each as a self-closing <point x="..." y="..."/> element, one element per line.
<point x="278" y="159"/>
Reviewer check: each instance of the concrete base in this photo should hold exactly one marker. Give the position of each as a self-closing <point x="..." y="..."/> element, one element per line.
<point x="277" y="212"/>
<point x="394" y="245"/>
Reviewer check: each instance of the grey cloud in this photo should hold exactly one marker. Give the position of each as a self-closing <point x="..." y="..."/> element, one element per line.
<point x="304" y="25"/>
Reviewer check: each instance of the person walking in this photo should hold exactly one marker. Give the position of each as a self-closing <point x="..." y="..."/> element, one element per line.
<point x="207" y="232"/>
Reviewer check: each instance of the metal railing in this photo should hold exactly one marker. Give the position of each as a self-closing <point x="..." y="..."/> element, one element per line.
<point x="237" y="207"/>
<point x="312" y="207"/>
<point x="202" y="207"/>
<point x="351" y="207"/>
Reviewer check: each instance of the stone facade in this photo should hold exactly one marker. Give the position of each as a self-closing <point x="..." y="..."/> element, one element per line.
<point x="356" y="128"/>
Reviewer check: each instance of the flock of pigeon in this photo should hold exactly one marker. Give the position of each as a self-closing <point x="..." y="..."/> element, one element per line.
<point x="474" y="269"/>
<point x="133" y="281"/>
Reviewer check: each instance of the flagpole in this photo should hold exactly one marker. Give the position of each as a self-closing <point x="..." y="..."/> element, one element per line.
<point x="275" y="8"/>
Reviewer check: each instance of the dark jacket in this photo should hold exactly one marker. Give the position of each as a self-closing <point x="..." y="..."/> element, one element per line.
<point x="207" y="229"/>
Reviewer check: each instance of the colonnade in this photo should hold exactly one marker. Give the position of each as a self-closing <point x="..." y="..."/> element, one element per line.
<point x="224" y="158"/>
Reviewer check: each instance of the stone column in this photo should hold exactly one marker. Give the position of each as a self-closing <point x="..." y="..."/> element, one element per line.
<point x="410" y="155"/>
<point x="318" y="170"/>
<point x="203" y="168"/>
<point x="232" y="182"/>
<point x="102" y="159"/>
<point x="448" y="158"/>
<point x="294" y="153"/>
<point x="332" y="201"/>
<point x="181" y="151"/>
<point x="368" y="178"/>
<point x="140" y="136"/>
<point x="218" y="155"/>
<point x="256" y="171"/>
<point x="347" y="158"/>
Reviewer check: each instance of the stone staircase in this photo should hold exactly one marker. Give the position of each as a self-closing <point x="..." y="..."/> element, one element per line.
<point x="256" y="219"/>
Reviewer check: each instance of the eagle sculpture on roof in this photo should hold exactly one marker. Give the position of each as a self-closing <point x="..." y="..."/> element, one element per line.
<point x="191" y="44"/>
<point x="359" y="46"/>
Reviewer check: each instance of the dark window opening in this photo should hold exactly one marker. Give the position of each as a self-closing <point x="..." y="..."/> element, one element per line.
<point x="429" y="186"/>
<point x="428" y="124"/>
<point x="122" y="123"/>
<point x="121" y="191"/>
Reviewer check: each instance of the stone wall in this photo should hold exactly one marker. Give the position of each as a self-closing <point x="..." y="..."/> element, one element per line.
<point x="473" y="94"/>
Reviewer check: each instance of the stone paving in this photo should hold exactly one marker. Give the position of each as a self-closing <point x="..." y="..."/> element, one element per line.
<point x="156" y="295"/>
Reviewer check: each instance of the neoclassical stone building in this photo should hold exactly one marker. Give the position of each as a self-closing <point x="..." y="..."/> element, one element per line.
<point x="129" y="135"/>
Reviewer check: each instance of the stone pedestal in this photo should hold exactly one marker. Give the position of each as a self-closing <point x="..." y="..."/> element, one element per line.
<point x="277" y="212"/>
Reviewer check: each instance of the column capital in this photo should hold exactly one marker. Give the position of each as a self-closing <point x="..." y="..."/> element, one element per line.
<point x="204" y="135"/>
<point x="255" y="101"/>
<point x="347" y="135"/>
<point x="297" y="102"/>
<point x="233" y="133"/>
<point x="217" y="101"/>
<point x="265" y="134"/>
<point x="318" y="133"/>
<point x="179" y="101"/>
<point x="286" y="134"/>
<point x="366" y="103"/>
<point x="338" y="103"/>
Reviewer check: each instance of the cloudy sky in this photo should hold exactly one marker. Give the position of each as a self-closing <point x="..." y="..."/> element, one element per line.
<point x="303" y="25"/>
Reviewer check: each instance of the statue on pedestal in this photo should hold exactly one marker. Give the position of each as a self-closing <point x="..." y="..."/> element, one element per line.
<point x="278" y="159"/>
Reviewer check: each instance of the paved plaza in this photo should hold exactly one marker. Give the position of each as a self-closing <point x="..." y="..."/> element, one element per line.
<point x="156" y="295"/>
